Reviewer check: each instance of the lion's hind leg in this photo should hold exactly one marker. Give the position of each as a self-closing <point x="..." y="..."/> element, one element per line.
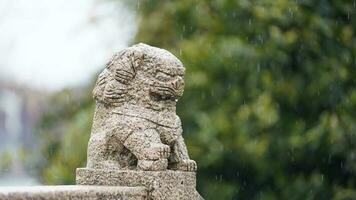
<point x="102" y="150"/>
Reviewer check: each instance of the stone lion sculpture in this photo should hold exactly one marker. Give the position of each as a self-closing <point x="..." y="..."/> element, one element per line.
<point x="135" y="123"/>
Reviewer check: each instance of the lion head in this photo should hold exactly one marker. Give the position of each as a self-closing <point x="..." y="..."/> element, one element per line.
<point x="141" y="75"/>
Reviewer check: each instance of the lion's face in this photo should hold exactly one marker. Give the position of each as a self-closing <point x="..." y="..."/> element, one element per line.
<point x="165" y="81"/>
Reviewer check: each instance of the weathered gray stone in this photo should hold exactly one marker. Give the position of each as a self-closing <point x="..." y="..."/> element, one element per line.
<point x="74" y="192"/>
<point x="135" y="123"/>
<point x="136" y="138"/>
<point x="169" y="185"/>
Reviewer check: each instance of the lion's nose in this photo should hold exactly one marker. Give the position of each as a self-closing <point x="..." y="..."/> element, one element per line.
<point x="178" y="83"/>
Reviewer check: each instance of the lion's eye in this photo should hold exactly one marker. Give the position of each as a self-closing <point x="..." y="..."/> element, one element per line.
<point x="162" y="76"/>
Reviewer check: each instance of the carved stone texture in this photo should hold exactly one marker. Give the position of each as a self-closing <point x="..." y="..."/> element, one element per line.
<point x="135" y="125"/>
<point x="160" y="184"/>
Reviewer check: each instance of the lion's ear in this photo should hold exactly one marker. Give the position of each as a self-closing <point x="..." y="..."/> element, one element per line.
<point x="124" y="64"/>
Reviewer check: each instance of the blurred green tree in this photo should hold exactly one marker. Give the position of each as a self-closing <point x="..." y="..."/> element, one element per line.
<point x="64" y="132"/>
<point x="6" y="163"/>
<point x="270" y="100"/>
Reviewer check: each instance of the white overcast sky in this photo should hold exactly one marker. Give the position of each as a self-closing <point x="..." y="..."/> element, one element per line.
<point x="53" y="44"/>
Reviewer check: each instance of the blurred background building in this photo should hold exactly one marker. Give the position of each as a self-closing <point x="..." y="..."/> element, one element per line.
<point x="20" y="110"/>
<point x="47" y="46"/>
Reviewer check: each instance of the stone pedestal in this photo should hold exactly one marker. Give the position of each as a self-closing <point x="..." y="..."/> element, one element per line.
<point x="161" y="185"/>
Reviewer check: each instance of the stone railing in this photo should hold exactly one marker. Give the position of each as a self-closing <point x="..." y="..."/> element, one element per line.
<point x="73" y="192"/>
<point x="136" y="149"/>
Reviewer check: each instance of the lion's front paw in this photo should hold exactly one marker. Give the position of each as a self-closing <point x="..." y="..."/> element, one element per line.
<point x="185" y="165"/>
<point x="189" y="165"/>
<point x="157" y="151"/>
<point x="164" y="151"/>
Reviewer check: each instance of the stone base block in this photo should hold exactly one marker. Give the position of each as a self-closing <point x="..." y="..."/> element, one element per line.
<point x="73" y="192"/>
<point x="161" y="185"/>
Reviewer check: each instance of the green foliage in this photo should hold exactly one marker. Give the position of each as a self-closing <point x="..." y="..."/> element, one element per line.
<point x="6" y="162"/>
<point x="270" y="100"/>
<point x="71" y="113"/>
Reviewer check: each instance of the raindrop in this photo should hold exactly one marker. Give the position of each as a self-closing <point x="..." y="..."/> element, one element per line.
<point x="291" y="13"/>
<point x="260" y="38"/>
<point x="212" y="93"/>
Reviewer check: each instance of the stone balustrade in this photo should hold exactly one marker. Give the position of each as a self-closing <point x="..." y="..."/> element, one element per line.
<point x="73" y="192"/>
